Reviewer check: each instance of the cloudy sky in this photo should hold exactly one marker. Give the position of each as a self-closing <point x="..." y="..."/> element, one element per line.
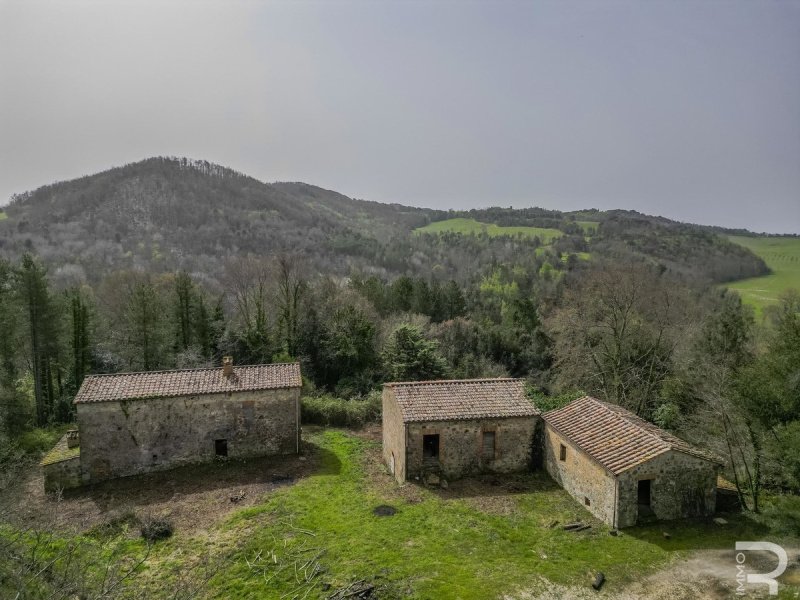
<point x="689" y="110"/>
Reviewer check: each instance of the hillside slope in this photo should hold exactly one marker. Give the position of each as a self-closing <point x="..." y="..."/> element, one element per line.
<point x="162" y="214"/>
<point x="165" y="213"/>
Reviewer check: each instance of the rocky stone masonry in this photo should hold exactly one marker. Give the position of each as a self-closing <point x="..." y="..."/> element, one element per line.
<point x="137" y="436"/>
<point x="62" y="466"/>
<point x="132" y="423"/>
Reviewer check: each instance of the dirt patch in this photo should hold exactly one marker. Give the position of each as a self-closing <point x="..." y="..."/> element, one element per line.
<point x="192" y="498"/>
<point x="707" y="574"/>
<point x="384" y="510"/>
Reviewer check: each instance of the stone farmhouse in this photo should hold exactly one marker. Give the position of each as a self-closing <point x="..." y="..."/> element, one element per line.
<point x="456" y="428"/>
<point x="132" y="423"/>
<point x="625" y="470"/>
<point x="621" y="468"/>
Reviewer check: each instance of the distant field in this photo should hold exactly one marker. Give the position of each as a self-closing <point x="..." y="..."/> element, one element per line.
<point x="3" y="215"/>
<point x="468" y="226"/>
<point x="588" y="225"/>
<point x="782" y="255"/>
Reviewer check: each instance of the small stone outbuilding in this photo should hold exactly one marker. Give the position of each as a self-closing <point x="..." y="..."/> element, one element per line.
<point x="131" y="423"/>
<point x="625" y="470"/>
<point x="457" y="427"/>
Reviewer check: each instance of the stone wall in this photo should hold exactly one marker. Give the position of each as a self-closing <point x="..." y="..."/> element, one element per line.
<point x="63" y="475"/>
<point x="61" y="467"/>
<point x="394" y="436"/>
<point x="461" y="445"/>
<point x="582" y="477"/>
<point x="682" y="486"/>
<point x="136" y="436"/>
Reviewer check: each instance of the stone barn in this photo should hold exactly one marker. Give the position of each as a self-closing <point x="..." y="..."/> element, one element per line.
<point x="623" y="469"/>
<point x="456" y="428"/>
<point x="132" y="423"/>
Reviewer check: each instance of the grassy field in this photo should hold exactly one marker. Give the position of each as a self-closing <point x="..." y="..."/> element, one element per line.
<point x="477" y="539"/>
<point x="3" y="215"/>
<point x="471" y="226"/>
<point x="782" y="255"/>
<point x="588" y="226"/>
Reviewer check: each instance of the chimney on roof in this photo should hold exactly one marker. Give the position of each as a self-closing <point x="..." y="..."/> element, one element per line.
<point x="227" y="366"/>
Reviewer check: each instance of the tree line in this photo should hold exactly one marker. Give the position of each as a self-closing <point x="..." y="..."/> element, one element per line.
<point x="686" y="356"/>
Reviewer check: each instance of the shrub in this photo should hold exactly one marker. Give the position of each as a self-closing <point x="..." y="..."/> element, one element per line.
<point x="115" y="524"/>
<point x="156" y="529"/>
<point x="331" y="411"/>
<point x="40" y="440"/>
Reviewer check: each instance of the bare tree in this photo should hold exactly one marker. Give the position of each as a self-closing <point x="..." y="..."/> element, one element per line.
<point x="617" y="331"/>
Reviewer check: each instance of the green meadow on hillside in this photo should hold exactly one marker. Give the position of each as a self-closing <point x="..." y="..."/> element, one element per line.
<point x="782" y="255"/>
<point x="478" y="539"/>
<point x="471" y="226"/>
<point x="3" y="215"/>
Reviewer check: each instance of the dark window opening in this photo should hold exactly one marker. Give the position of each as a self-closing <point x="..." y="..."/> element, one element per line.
<point x="221" y="447"/>
<point x="488" y="445"/>
<point x="430" y="446"/>
<point x="644" y="492"/>
<point x="563" y="453"/>
<point x="586" y="501"/>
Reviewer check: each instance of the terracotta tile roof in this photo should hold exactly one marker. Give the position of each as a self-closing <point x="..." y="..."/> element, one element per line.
<point x="615" y="437"/>
<point x="449" y="400"/>
<point x="187" y="382"/>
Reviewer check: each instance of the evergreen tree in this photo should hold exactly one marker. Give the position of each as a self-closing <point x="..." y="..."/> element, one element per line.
<point x="184" y="309"/>
<point x="43" y="332"/>
<point x="80" y="344"/>
<point x="408" y="356"/>
<point x="144" y="321"/>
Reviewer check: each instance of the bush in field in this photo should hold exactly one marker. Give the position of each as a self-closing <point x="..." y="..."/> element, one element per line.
<point x="156" y="529"/>
<point x="332" y="411"/>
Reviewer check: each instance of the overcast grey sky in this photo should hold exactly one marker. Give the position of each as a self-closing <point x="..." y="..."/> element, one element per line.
<point x="689" y="110"/>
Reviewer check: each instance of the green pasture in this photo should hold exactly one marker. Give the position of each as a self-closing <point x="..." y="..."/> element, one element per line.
<point x="471" y="226"/>
<point x="782" y="255"/>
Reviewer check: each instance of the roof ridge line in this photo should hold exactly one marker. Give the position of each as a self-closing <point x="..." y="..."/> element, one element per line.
<point x="193" y="369"/>
<point x="443" y="381"/>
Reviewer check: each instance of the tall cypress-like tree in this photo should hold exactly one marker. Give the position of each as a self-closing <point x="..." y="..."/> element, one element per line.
<point x="43" y="336"/>
<point x="184" y="303"/>
<point x="13" y="413"/>
<point x="143" y="314"/>
<point x="81" y="350"/>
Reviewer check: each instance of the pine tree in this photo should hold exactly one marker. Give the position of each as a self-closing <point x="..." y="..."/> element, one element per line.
<point x="43" y="336"/>
<point x="184" y="301"/>
<point x="81" y="350"/>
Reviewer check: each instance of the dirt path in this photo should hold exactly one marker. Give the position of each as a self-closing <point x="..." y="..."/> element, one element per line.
<point x="705" y="574"/>
<point x="192" y="498"/>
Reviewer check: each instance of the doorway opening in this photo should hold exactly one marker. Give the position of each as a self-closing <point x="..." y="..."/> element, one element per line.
<point x="430" y="447"/>
<point x="221" y="447"/>
<point x="644" y="492"/>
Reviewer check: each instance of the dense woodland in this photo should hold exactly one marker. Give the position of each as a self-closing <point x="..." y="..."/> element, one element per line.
<point x="170" y="263"/>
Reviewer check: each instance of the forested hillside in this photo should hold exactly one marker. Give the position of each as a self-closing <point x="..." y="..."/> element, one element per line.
<point x="164" y="214"/>
<point x="161" y="214"/>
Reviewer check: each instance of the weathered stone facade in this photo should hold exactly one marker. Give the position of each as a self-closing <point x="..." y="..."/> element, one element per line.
<point x="625" y="470"/>
<point x="131" y="423"/>
<point x="461" y="449"/>
<point x="499" y="437"/>
<point x="394" y="436"/>
<point x="580" y="476"/>
<point x="682" y="486"/>
<point x="62" y="466"/>
<point x="128" y="437"/>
